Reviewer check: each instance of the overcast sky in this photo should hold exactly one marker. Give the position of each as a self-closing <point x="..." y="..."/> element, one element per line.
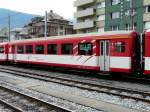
<point x="64" y="8"/>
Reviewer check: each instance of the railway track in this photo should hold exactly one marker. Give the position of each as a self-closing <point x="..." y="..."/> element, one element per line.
<point x="10" y="107"/>
<point x="19" y="102"/>
<point x="101" y="88"/>
<point x="142" y="79"/>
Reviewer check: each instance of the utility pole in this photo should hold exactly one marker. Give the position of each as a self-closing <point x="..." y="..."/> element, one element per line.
<point x="8" y="27"/>
<point x="122" y="10"/>
<point x="45" y="34"/>
<point x="131" y="14"/>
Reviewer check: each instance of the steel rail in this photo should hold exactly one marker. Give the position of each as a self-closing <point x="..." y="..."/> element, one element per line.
<point x="12" y="107"/>
<point x="16" y="109"/>
<point x="82" y="84"/>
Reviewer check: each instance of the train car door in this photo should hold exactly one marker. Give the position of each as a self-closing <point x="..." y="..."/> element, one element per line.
<point x="14" y="53"/>
<point x="104" y="55"/>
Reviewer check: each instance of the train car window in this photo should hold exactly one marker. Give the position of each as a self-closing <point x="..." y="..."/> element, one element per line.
<point x="20" y="50"/>
<point x="29" y="49"/>
<point x="39" y="49"/>
<point x="85" y="48"/>
<point x="1" y="49"/>
<point x="67" y="48"/>
<point x="120" y="47"/>
<point x="107" y="48"/>
<point x="52" y="49"/>
<point x="102" y="48"/>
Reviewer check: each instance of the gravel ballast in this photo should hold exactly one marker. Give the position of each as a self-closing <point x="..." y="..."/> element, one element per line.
<point x="129" y="103"/>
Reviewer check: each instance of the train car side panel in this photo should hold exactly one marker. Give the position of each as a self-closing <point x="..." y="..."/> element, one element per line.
<point x="4" y="52"/>
<point x="147" y="53"/>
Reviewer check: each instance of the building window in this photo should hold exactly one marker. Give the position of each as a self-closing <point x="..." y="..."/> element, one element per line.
<point x="134" y="26"/>
<point x="130" y="12"/>
<point x="1" y="49"/>
<point x="127" y="12"/>
<point x="29" y="49"/>
<point x="85" y="49"/>
<point x="115" y="27"/>
<point x="127" y="27"/>
<point x="119" y="47"/>
<point x="115" y="15"/>
<point x="133" y="12"/>
<point x="100" y="29"/>
<point x="61" y="27"/>
<point x="61" y="33"/>
<point x="56" y="30"/>
<point x="115" y="2"/>
<point x="33" y="30"/>
<point x="67" y="48"/>
<point x="39" y="49"/>
<point x="147" y="9"/>
<point x="20" y="50"/>
<point x="52" y="49"/>
<point x="146" y="25"/>
<point x="87" y="20"/>
<point x="101" y="17"/>
<point x="101" y="5"/>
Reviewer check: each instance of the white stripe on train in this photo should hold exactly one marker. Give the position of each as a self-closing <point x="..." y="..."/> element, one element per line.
<point x="75" y="60"/>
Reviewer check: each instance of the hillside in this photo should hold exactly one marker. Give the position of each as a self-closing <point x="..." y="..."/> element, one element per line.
<point x="18" y="19"/>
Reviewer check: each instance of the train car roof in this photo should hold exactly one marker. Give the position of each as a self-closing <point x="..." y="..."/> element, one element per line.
<point x="75" y="36"/>
<point x="3" y="43"/>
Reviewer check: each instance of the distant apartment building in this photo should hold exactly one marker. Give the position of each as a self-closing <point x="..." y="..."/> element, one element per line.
<point x="56" y="25"/>
<point x="18" y="34"/>
<point x="146" y="14"/>
<point x="90" y="15"/>
<point x="112" y="15"/>
<point x="124" y="15"/>
<point x="4" y="34"/>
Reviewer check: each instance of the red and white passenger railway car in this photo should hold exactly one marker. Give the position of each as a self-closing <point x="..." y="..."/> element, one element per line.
<point x="118" y="51"/>
<point x="102" y="52"/>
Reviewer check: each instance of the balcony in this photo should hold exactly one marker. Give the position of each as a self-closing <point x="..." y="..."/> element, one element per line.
<point x="82" y="2"/>
<point x="100" y="23"/>
<point x="146" y="2"/>
<point x="100" y="1"/>
<point x="146" y="17"/>
<point x="84" y="13"/>
<point x="84" y="25"/>
<point x="100" y="11"/>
